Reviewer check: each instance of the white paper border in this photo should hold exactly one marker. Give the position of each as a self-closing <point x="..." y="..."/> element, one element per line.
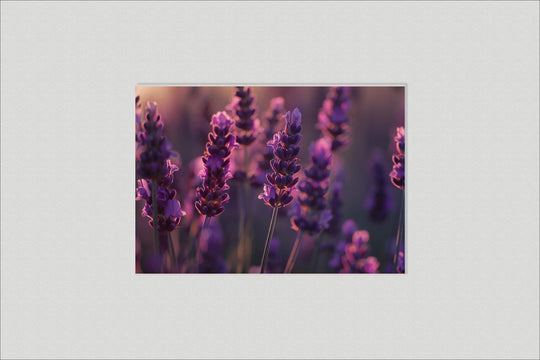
<point x="68" y="283"/>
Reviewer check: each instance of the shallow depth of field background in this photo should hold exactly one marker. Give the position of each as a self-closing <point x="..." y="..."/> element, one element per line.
<point x="374" y="114"/>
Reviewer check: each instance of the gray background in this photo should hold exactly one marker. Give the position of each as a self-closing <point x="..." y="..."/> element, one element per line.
<point x="68" y="283"/>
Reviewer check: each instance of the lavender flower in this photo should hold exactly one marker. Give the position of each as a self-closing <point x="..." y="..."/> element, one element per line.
<point x="272" y="117"/>
<point x="169" y="211"/>
<point x="309" y="214"/>
<point x="156" y="172"/>
<point x="333" y="121"/>
<point x="281" y="182"/>
<point x="247" y="127"/>
<point x="211" y="194"/>
<point x="244" y="113"/>
<point x="369" y="265"/>
<point x="153" y="149"/>
<point x="277" y="191"/>
<point x="356" y="257"/>
<point x="397" y="175"/>
<point x="378" y="203"/>
<point x="153" y="152"/>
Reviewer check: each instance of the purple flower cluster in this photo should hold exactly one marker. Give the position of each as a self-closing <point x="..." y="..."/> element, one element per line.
<point x="211" y="194"/>
<point x="153" y="152"/>
<point x="352" y="254"/>
<point x="272" y="117"/>
<point x="333" y="121"/>
<point x="277" y="191"/>
<point x="378" y="203"/>
<point x="153" y="149"/>
<point x="169" y="211"/>
<point x="356" y="257"/>
<point x="398" y="172"/>
<point x="309" y="214"/>
<point x="244" y="113"/>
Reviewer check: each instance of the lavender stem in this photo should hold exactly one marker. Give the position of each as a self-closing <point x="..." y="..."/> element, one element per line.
<point x="294" y="253"/>
<point x="246" y="257"/>
<point x="396" y="254"/>
<point x="269" y="237"/>
<point x="241" y="227"/>
<point x="172" y="253"/>
<point x="154" y="214"/>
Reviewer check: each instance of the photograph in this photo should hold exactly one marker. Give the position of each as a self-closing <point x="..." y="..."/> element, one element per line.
<point x="270" y="179"/>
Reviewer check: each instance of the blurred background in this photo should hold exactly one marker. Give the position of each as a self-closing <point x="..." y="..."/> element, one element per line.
<point x="374" y="114"/>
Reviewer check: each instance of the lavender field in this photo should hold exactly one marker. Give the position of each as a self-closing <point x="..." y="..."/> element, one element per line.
<point x="270" y="179"/>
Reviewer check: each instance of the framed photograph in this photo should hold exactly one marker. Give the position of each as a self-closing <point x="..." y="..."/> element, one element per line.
<point x="270" y="179"/>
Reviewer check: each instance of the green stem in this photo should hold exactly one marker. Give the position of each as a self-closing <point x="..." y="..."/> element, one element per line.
<point x="241" y="227"/>
<point x="294" y="253"/>
<point x="172" y="253"/>
<point x="246" y="252"/>
<point x="243" y="253"/>
<point x="396" y="253"/>
<point x="269" y="237"/>
<point x="155" y="214"/>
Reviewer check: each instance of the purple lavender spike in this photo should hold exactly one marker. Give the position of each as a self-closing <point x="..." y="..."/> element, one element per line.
<point x="273" y="117"/>
<point x="212" y="193"/>
<point x="244" y="114"/>
<point x="153" y="149"/>
<point x="352" y="253"/>
<point x="169" y="210"/>
<point x="277" y="191"/>
<point x="155" y="173"/>
<point x="309" y="214"/>
<point x="397" y="175"/>
<point x="333" y="121"/>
